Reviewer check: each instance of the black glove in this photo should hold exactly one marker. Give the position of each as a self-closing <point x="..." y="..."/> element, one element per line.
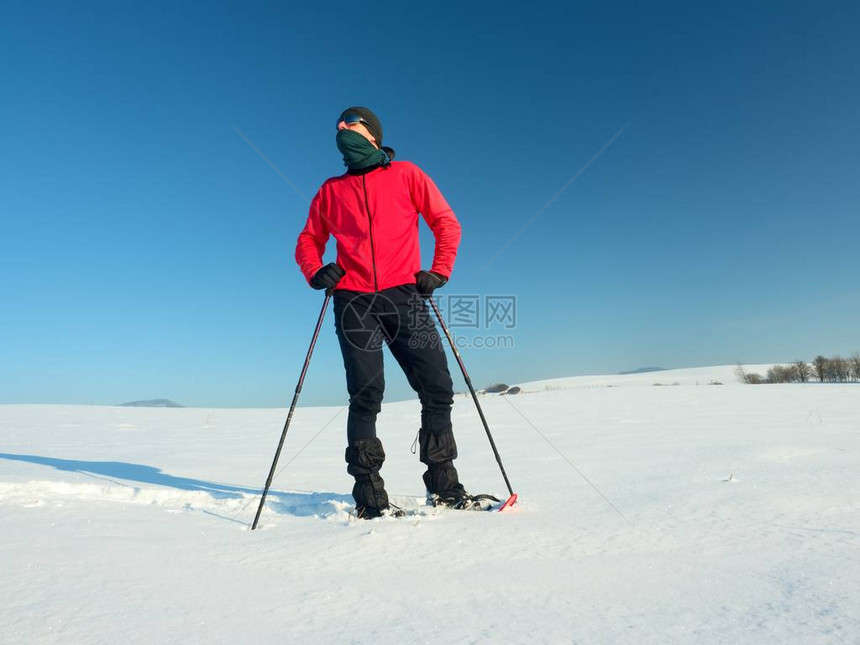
<point x="427" y="282"/>
<point x="327" y="277"/>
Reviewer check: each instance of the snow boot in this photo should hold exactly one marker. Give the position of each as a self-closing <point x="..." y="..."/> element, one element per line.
<point x="438" y="451"/>
<point x="442" y="480"/>
<point x="364" y="459"/>
<point x="371" y="513"/>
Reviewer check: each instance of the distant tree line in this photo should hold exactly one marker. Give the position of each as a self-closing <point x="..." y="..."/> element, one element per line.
<point x="836" y="369"/>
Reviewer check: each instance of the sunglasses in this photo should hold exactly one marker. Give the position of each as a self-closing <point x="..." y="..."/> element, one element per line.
<point x="352" y="119"/>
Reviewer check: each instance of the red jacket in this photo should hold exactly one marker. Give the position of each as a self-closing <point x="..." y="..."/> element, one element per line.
<point x="374" y="218"/>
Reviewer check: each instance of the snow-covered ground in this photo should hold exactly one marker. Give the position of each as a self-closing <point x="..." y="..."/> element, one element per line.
<point x="731" y="515"/>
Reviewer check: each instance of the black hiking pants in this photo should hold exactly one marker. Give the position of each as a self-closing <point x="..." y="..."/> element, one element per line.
<point x="397" y="317"/>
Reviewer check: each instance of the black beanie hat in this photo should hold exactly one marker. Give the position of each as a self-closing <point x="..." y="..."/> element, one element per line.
<point x="371" y="122"/>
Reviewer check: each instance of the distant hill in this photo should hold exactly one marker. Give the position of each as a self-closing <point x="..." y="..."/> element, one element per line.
<point x="152" y="403"/>
<point x="643" y="370"/>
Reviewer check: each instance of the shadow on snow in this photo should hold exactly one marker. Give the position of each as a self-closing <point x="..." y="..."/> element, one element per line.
<point x="298" y="504"/>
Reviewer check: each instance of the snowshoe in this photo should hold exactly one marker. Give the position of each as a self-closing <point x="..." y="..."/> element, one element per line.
<point x="463" y="501"/>
<point x="371" y="512"/>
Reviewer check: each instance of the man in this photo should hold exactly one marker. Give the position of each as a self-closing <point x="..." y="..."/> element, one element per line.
<point x="378" y="289"/>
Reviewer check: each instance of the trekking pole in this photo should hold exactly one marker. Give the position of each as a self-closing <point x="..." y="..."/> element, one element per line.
<point x="328" y="293"/>
<point x="513" y="496"/>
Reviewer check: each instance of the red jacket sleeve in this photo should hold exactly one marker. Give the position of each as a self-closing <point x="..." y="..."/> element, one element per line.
<point x="312" y="240"/>
<point x="440" y="218"/>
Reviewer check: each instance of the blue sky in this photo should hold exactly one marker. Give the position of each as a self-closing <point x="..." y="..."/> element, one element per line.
<point x="147" y="248"/>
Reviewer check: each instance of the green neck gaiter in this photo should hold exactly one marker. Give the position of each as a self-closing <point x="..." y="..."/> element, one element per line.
<point x="358" y="153"/>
